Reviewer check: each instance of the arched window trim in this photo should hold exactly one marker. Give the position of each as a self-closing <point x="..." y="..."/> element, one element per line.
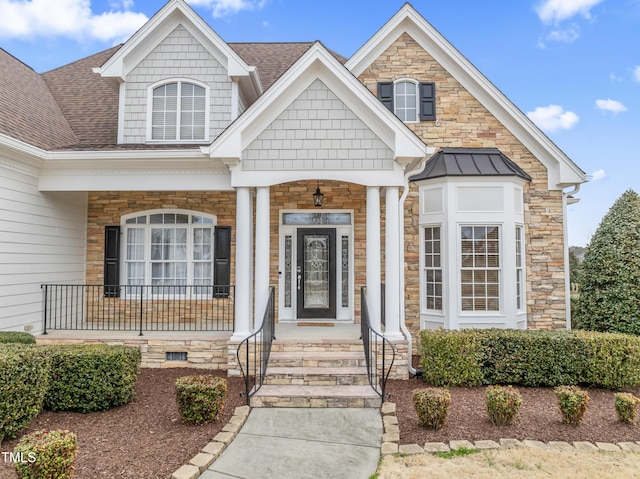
<point x="179" y="81"/>
<point x="416" y="84"/>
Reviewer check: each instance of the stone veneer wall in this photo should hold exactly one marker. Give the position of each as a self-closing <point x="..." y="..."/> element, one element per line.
<point x="106" y="208"/>
<point x="206" y="352"/>
<point x="464" y="122"/>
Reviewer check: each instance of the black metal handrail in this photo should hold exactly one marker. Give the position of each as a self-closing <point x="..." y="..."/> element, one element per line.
<point x="256" y="349"/>
<point x="375" y="349"/>
<point x="138" y="308"/>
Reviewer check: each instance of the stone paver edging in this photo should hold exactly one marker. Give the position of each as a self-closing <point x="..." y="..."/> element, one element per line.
<point x="209" y="453"/>
<point x="391" y="441"/>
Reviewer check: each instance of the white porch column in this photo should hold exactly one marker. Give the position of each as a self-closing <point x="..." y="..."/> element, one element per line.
<point x="262" y="243"/>
<point x="373" y="255"/>
<point x="244" y="255"/>
<point x="392" y="264"/>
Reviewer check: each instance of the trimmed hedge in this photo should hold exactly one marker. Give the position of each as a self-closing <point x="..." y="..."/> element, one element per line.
<point x="47" y="455"/>
<point x="200" y="398"/>
<point x="534" y="358"/>
<point x="8" y="337"/>
<point x="23" y="385"/>
<point x="432" y="406"/>
<point x="451" y="358"/>
<point x="91" y="377"/>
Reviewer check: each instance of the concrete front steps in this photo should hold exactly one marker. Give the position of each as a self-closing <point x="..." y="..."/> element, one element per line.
<point x="318" y="373"/>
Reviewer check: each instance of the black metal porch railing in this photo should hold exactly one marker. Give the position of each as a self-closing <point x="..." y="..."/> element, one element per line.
<point x="255" y="349"/>
<point x="138" y="308"/>
<point x="377" y="350"/>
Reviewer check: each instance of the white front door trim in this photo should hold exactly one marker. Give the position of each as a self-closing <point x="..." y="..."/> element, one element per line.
<point x="287" y="239"/>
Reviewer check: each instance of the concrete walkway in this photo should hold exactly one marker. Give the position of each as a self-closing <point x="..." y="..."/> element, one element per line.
<point x="303" y="443"/>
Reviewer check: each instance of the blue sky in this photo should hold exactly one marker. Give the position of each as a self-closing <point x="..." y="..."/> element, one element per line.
<point x="572" y="65"/>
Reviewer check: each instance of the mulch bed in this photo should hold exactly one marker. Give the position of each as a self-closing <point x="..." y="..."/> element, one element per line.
<point x="539" y="417"/>
<point x="144" y="439"/>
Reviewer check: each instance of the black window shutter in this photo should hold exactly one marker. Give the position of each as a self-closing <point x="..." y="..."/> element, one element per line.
<point x="222" y="261"/>
<point x="112" y="261"/>
<point x="385" y="94"/>
<point x="427" y="101"/>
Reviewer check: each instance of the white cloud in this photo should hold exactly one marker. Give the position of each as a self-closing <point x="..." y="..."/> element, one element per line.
<point x="553" y="11"/>
<point x="553" y="117"/>
<point x="610" y="105"/>
<point x="636" y="73"/>
<point x="221" y="8"/>
<point x="598" y="175"/>
<point x="66" y="18"/>
<point x="567" y="35"/>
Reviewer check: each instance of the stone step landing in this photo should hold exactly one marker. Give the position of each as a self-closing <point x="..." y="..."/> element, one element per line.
<point x="316" y="396"/>
<point x="317" y="359"/>
<point x="316" y="373"/>
<point x="317" y="376"/>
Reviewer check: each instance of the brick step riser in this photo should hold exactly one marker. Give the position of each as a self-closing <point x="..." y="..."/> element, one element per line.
<point x="314" y="380"/>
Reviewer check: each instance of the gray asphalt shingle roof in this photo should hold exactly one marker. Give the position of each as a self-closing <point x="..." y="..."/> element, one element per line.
<point x="71" y="107"/>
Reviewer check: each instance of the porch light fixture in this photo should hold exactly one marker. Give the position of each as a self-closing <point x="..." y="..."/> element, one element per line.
<point x="318" y="197"/>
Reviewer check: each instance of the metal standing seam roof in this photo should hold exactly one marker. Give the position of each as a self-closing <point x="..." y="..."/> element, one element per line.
<point x="469" y="162"/>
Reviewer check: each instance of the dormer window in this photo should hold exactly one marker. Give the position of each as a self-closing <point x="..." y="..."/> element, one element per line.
<point x="410" y="100"/>
<point x="179" y="112"/>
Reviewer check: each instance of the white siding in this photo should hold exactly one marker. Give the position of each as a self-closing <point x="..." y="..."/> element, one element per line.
<point x="317" y="132"/>
<point x="42" y="240"/>
<point x="177" y="56"/>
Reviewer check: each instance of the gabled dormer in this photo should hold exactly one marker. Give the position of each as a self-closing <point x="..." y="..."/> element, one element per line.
<point x="415" y="99"/>
<point x="178" y="81"/>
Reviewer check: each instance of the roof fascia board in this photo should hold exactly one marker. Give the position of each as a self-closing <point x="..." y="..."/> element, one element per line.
<point x="174" y="13"/>
<point x="20" y="152"/>
<point x="561" y="170"/>
<point x="317" y="63"/>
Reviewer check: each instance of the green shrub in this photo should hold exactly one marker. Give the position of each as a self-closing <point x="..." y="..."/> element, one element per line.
<point x="91" y="377"/>
<point x="46" y="455"/>
<point x="200" y="398"/>
<point x="23" y="385"/>
<point x="451" y="358"/>
<point x="7" y="337"/>
<point x="613" y="361"/>
<point x="573" y="403"/>
<point x="530" y="358"/>
<point x="432" y="406"/>
<point x="609" y="276"/>
<point x="627" y="408"/>
<point x="503" y="404"/>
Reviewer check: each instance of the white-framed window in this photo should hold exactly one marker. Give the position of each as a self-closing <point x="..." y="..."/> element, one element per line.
<point x="480" y="267"/>
<point x="168" y="248"/>
<point x="179" y="111"/>
<point x="406" y="100"/>
<point x="520" y="268"/>
<point x="433" y="296"/>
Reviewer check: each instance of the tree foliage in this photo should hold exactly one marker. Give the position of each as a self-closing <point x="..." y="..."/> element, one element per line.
<point x="574" y="267"/>
<point x="610" y="272"/>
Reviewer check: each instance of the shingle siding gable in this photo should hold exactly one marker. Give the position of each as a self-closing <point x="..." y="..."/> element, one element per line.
<point x="179" y="55"/>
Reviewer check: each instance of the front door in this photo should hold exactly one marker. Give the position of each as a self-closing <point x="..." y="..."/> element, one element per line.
<point x="316" y="273"/>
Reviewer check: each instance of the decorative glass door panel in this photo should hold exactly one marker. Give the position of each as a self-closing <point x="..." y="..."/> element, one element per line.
<point x="316" y="271"/>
